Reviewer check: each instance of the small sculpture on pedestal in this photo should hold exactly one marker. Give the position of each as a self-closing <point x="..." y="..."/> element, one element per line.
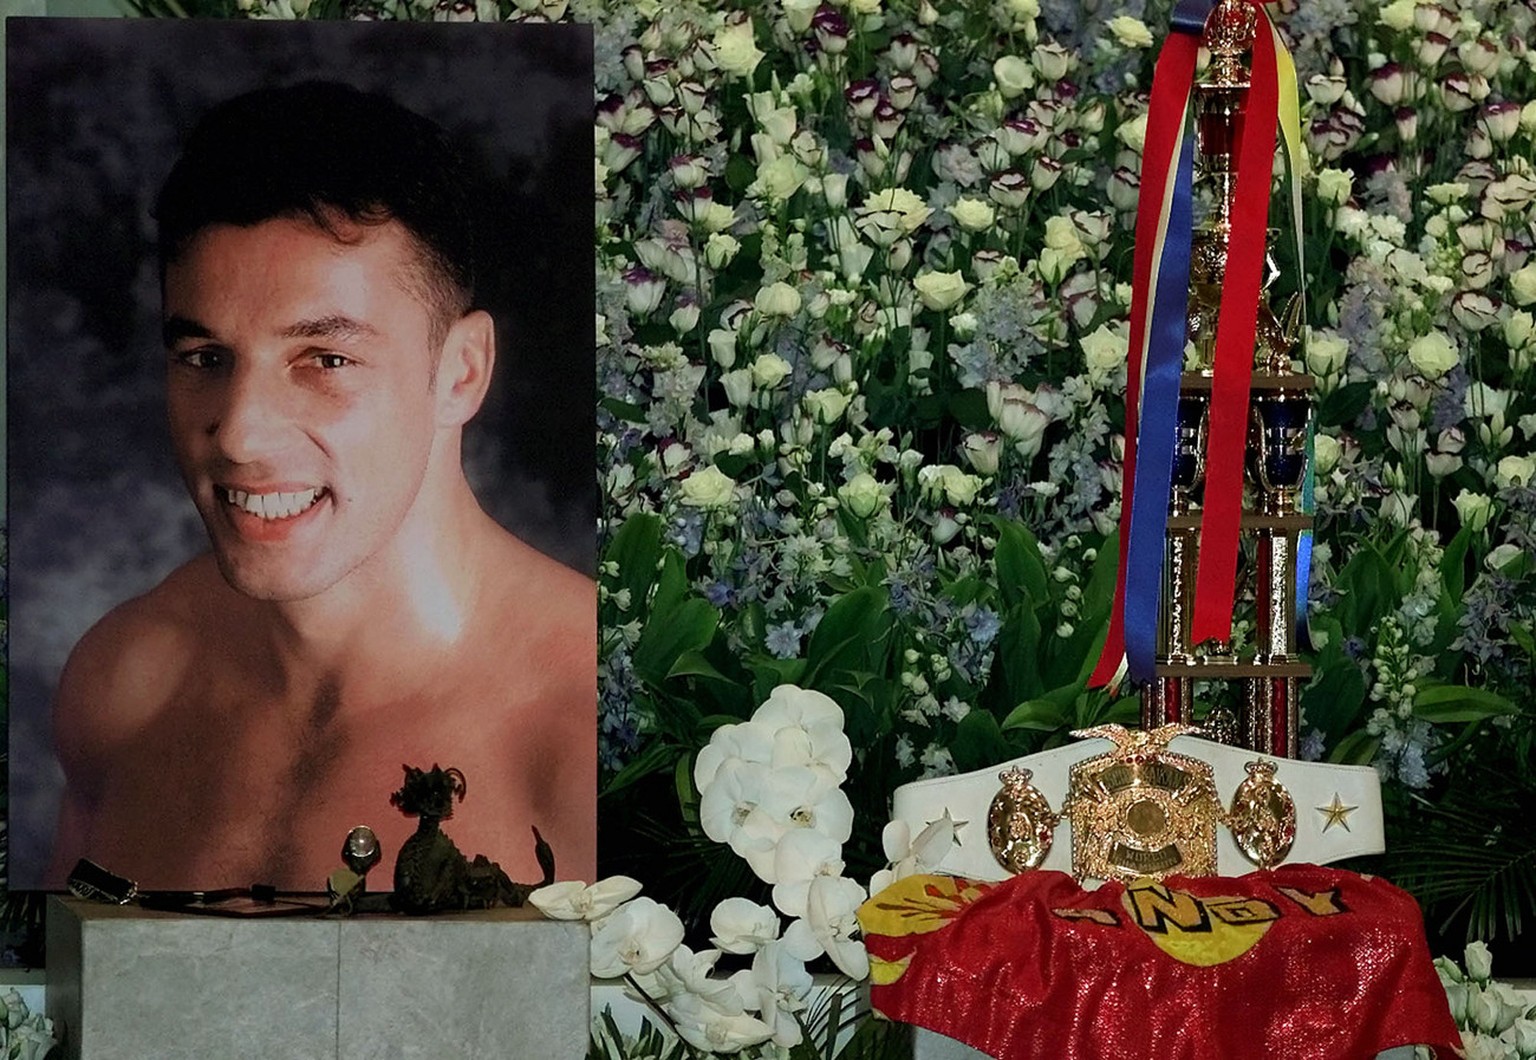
<point x="431" y="875"/>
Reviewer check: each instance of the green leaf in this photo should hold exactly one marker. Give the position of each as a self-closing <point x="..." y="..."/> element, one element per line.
<point x="978" y="742"/>
<point x="1018" y="653"/>
<point x="1344" y="404"/>
<point x="636" y="548"/>
<point x="670" y="633"/>
<point x="1020" y="569"/>
<point x="1453" y="564"/>
<point x="853" y="627"/>
<point x="654" y="757"/>
<point x="1356" y="749"/>
<point x="1444" y="704"/>
<point x="1333" y="701"/>
<point x="1041" y="715"/>
<point x="1369" y="586"/>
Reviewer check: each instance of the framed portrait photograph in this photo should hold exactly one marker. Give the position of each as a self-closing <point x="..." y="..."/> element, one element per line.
<point x="300" y="409"/>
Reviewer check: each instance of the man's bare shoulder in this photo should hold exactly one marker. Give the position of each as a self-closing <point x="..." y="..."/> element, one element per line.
<point x="534" y="589"/>
<point x="131" y="662"/>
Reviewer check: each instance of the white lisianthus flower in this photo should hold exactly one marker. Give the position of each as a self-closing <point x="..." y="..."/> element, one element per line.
<point x="736" y="52"/>
<point x="973" y="215"/>
<point x="1474" y="310"/>
<point x="1515" y="470"/>
<point x="983" y="452"/>
<point x="1017" y="415"/>
<point x="574" y="900"/>
<point x="1052" y="60"/>
<point x="776" y="987"/>
<point x="720" y="249"/>
<point x="1433" y="355"/>
<point x="708" y="488"/>
<point x="1518" y="328"/>
<point x="940" y="290"/>
<point x="947" y="483"/>
<point x="829" y="925"/>
<point x="636" y="937"/>
<point x="779" y="179"/>
<point x="740" y="925"/>
<point x="1131" y="32"/>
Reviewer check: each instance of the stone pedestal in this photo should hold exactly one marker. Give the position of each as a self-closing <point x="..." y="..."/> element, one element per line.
<point x="127" y="983"/>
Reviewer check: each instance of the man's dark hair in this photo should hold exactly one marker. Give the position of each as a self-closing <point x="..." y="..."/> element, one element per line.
<point x="330" y="154"/>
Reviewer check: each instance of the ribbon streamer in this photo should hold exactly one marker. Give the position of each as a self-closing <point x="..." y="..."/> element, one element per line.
<point x="1172" y="82"/>
<point x="1236" y="325"/>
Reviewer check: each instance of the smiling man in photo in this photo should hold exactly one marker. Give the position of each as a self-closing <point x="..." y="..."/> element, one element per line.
<point x="358" y="608"/>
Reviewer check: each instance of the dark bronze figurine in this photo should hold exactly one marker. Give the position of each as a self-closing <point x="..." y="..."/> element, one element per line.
<point x="431" y="875"/>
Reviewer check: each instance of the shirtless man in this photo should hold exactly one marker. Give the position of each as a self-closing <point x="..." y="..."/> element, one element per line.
<point x="358" y="609"/>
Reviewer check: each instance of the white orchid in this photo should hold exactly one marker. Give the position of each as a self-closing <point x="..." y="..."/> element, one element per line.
<point x="803" y="855"/>
<point x="776" y="987"/>
<point x="574" y="900"/>
<point x="908" y="855"/>
<point x="801" y="797"/>
<point x="706" y="1026"/>
<point x="741" y="925"/>
<point x="830" y="921"/>
<point x="635" y="938"/>
<point x="685" y="972"/>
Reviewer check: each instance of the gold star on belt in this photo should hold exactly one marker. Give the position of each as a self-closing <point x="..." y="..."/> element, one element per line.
<point x="1336" y="813"/>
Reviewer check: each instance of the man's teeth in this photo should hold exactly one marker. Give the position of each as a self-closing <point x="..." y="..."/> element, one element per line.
<point x="273" y="505"/>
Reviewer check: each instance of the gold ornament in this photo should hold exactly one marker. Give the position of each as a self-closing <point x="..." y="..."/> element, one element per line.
<point x="1263" y="816"/>
<point x="1020" y="822"/>
<point x="1141" y="810"/>
<point x="1336" y="813"/>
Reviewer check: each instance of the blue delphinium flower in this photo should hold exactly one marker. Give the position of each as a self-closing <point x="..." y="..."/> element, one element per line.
<point x="783" y="640"/>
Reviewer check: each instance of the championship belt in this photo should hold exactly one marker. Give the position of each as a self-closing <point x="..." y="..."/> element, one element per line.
<point x="1157" y="803"/>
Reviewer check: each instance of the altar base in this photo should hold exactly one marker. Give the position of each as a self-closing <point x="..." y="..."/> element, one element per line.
<point x="127" y="983"/>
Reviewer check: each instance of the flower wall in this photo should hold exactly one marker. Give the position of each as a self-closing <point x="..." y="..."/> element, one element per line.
<point x="863" y="275"/>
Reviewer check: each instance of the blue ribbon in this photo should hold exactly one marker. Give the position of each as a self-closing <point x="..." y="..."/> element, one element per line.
<point x="1304" y="543"/>
<point x="1189" y="16"/>
<point x="1157" y="433"/>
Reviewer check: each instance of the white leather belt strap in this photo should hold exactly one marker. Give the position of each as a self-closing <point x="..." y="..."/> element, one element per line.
<point x="1338" y="808"/>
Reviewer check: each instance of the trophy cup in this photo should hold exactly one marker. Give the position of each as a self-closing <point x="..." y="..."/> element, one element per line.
<point x="1276" y="461"/>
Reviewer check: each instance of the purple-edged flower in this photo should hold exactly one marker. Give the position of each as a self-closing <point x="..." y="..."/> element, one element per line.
<point x="831" y="30"/>
<point x="862" y="96"/>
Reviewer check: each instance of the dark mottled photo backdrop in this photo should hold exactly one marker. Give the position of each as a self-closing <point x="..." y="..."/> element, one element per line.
<point x="96" y="112"/>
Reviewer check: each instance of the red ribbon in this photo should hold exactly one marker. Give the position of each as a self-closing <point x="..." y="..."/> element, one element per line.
<point x="1171" y="83"/>
<point x="1236" y="326"/>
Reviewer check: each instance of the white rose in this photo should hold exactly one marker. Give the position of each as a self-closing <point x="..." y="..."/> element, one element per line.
<point x="1433" y="355"/>
<point x="1397" y="15"/>
<point x="825" y="406"/>
<point x="1326" y="353"/>
<point x="1131" y="32"/>
<point x="1104" y="350"/>
<point x="777" y="300"/>
<point x="735" y="50"/>
<point x="1335" y="185"/>
<point x="769" y="370"/>
<point x="1133" y="133"/>
<point x="1473" y="509"/>
<point x="973" y="215"/>
<point x="1522" y="283"/>
<point x="861" y="495"/>
<point x="1013" y="76"/>
<point x="708" y="488"/>
<point x="940" y="290"/>
<point x="1326" y="448"/>
<point x="1515" y="470"/>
